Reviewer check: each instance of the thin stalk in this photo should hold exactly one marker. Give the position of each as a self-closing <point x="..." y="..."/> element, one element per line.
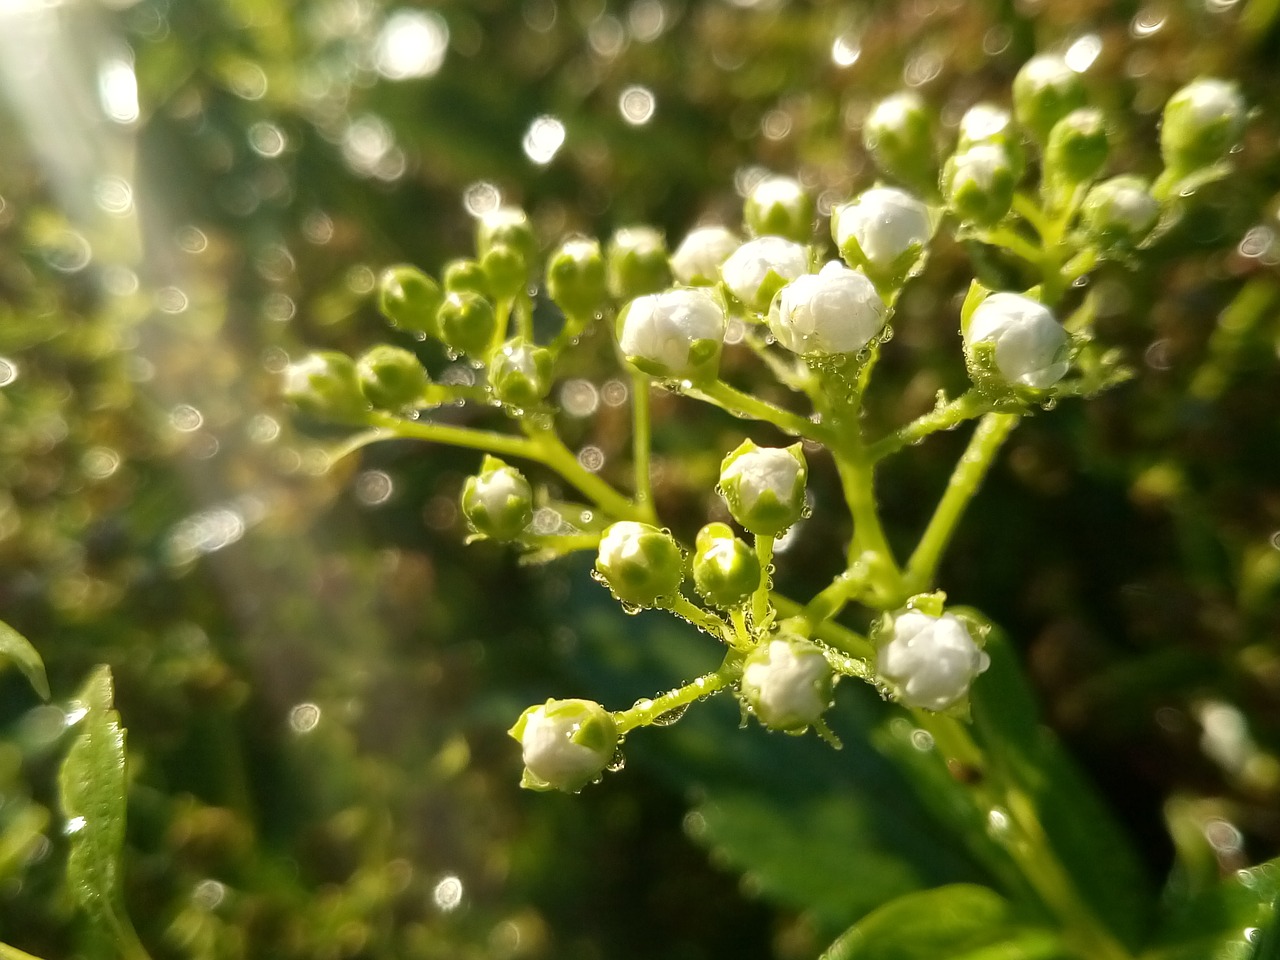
<point x="760" y="599"/>
<point x="857" y="481"/>
<point x="1015" y="243"/>
<point x="833" y="634"/>
<point x="1029" y="846"/>
<point x="542" y="447"/>
<point x="742" y="633"/>
<point x="990" y="434"/>
<point x="642" y="442"/>
<point x="965" y="407"/>
<point x="704" y="620"/>
<point x="524" y="317"/>
<point x="502" y="309"/>
<point x="646" y="712"/>
<point x="747" y="407"/>
<point x="1029" y="210"/>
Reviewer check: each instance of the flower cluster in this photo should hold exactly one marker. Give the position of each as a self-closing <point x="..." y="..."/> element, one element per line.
<point x="818" y="314"/>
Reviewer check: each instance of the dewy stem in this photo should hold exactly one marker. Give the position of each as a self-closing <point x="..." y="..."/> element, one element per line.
<point x="707" y="622"/>
<point x="965" y="407"/>
<point x="540" y="446"/>
<point x="972" y="467"/>
<point x="641" y="442"/>
<point x="747" y="407"/>
<point x="1029" y="846"/>
<point x="645" y="712"/>
<point x="760" y="599"/>
<point x="857" y="480"/>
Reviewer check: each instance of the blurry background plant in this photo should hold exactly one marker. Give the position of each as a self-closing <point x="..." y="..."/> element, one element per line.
<point x="317" y="679"/>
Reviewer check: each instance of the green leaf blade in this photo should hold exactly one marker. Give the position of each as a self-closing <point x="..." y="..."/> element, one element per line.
<point x="960" y="921"/>
<point x="92" y="784"/>
<point x="14" y="646"/>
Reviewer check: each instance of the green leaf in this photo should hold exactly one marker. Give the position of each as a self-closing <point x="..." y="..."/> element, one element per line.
<point x="92" y="787"/>
<point x="1238" y="919"/>
<point x="957" y="922"/>
<point x="17" y="648"/>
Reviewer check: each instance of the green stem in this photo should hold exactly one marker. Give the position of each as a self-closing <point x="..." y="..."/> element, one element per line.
<point x="646" y="711"/>
<point x="828" y="602"/>
<point x="502" y="309"/>
<point x="1029" y="210"/>
<point x="1015" y="243"/>
<point x="742" y="633"/>
<point x="747" y="407"/>
<point x="553" y="453"/>
<point x="987" y="438"/>
<point x="705" y="621"/>
<point x="541" y="446"/>
<point x="965" y="407"/>
<point x="642" y="442"/>
<point x="1028" y="845"/>
<point x="562" y="544"/>
<point x="833" y="634"/>
<point x="857" y="480"/>
<point x="13" y="953"/>
<point x="524" y="317"/>
<point x="760" y="599"/>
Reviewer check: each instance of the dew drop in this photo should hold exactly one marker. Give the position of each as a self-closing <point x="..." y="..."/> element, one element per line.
<point x="671" y="716"/>
<point x="617" y="763"/>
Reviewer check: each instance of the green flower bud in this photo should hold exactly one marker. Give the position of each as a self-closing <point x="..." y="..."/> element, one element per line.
<point x="637" y="263"/>
<point x="726" y="572"/>
<point x="787" y="683"/>
<point x="325" y="386"/>
<point x="497" y="501"/>
<point x="764" y="486"/>
<point x="1077" y="148"/>
<point x="505" y="269"/>
<point x="467" y="323"/>
<point x="506" y="227"/>
<point x="390" y="377"/>
<point x="1120" y="212"/>
<point x="565" y="744"/>
<point x="986" y="123"/>
<point x="576" y="278"/>
<point x="1202" y="122"/>
<point x="409" y="299"/>
<point x="520" y="373"/>
<point x="779" y="207"/>
<point x="978" y="184"/>
<point x="466" y="276"/>
<point x="899" y="135"/>
<point x="1044" y="91"/>
<point x="639" y="563"/>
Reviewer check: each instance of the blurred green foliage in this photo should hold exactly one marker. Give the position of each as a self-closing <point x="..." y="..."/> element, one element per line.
<point x="316" y="676"/>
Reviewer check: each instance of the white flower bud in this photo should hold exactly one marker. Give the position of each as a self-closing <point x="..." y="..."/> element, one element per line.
<point x="1202" y="122"/>
<point x="929" y="661"/>
<point x="697" y="260"/>
<point x="836" y="310"/>
<point x="677" y="333"/>
<point x="640" y="564"/>
<point x="566" y="744"/>
<point x="764" y="486"/>
<point x="883" y="231"/>
<point x="787" y="683"/>
<point x="1029" y="342"/>
<point x="758" y="268"/>
<point x="984" y="123"/>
